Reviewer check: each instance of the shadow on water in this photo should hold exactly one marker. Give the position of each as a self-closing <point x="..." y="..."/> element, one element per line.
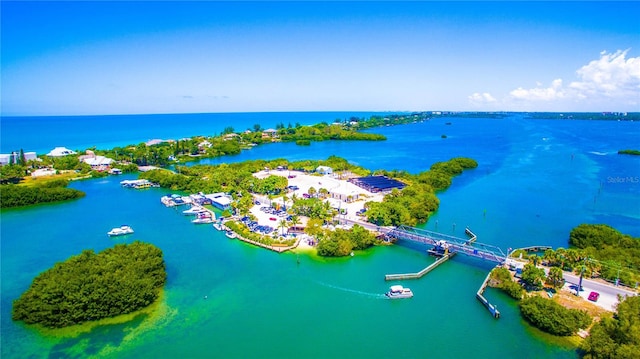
<point x="91" y="343"/>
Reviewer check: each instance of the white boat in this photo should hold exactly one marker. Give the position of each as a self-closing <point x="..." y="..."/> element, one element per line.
<point x="217" y="226"/>
<point x="398" y="291"/>
<point x="194" y="210"/>
<point x="202" y="220"/>
<point x="120" y="231"/>
<point x="230" y="234"/>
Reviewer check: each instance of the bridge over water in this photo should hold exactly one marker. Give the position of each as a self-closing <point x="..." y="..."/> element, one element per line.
<point x="467" y="246"/>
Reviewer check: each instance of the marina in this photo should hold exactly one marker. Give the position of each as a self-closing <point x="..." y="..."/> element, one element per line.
<point x="203" y="262"/>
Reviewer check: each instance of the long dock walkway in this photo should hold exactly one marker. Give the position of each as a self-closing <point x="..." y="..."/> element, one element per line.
<point x="420" y="274"/>
<point x="480" y="296"/>
<point x="445" y="257"/>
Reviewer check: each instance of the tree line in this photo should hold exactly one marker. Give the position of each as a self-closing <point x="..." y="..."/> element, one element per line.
<point x="90" y="286"/>
<point x="13" y="195"/>
<point x="415" y="203"/>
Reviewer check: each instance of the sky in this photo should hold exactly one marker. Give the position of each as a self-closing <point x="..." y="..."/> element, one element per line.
<point x="92" y="58"/>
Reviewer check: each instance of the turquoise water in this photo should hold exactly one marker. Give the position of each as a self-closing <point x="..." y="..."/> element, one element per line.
<point x="536" y="180"/>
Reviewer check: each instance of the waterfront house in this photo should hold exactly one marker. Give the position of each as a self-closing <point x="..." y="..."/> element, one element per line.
<point x="204" y="144"/>
<point x="220" y="200"/>
<point x="269" y="133"/>
<point x="5" y="159"/>
<point x="97" y="163"/>
<point x="60" y="152"/>
<point x="324" y="170"/>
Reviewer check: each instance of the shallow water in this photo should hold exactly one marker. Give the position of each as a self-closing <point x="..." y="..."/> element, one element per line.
<point x="535" y="181"/>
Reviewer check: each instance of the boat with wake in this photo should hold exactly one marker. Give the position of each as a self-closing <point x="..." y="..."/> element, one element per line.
<point x="398" y="292"/>
<point x="120" y="231"/>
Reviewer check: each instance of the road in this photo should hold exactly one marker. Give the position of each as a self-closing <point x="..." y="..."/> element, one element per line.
<point x="608" y="292"/>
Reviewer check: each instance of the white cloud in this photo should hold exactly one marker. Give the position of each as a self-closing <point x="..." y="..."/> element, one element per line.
<point x="611" y="81"/>
<point x="611" y="76"/>
<point x="553" y="92"/>
<point x="482" y="98"/>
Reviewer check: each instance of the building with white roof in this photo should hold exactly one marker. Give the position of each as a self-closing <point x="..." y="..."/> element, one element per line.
<point x="220" y="200"/>
<point x="60" y="152"/>
<point x="12" y="157"/>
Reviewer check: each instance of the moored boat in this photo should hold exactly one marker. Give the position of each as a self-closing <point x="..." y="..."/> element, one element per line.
<point x="120" y="231"/>
<point x="217" y="226"/>
<point x="203" y="218"/>
<point x="194" y="210"/>
<point x="230" y="234"/>
<point x="398" y="291"/>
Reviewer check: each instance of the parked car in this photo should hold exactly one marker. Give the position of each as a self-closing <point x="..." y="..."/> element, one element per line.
<point x="593" y="296"/>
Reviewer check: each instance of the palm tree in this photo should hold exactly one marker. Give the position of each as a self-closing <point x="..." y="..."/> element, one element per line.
<point x="323" y="192"/>
<point x="535" y="259"/>
<point x="550" y="257"/>
<point x="295" y="220"/>
<point x="311" y="191"/>
<point x="282" y="225"/>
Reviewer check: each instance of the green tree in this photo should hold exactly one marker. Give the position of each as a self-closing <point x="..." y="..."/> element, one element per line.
<point x="282" y="224"/>
<point x="552" y="317"/>
<point x="617" y="337"/>
<point x="90" y="286"/>
<point x="533" y="276"/>
<point x="555" y="277"/>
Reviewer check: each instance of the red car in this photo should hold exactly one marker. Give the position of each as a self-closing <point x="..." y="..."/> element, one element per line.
<point x="593" y="296"/>
<point x="273" y="219"/>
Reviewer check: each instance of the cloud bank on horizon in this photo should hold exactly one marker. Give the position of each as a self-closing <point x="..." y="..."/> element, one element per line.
<point x="610" y="79"/>
<point x="84" y="58"/>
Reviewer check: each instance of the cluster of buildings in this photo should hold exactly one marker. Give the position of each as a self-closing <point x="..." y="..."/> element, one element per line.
<point x="97" y="163"/>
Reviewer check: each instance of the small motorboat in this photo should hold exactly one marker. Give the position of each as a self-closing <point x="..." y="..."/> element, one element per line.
<point x="120" y="231"/>
<point x="230" y="234"/>
<point x="194" y="210"/>
<point x="398" y="291"/>
<point x="202" y="220"/>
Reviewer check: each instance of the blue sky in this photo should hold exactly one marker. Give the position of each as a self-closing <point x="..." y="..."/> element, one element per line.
<point x="73" y="58"/>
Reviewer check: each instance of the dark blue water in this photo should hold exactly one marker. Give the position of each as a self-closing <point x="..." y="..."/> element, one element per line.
<point x="535" y="181"/>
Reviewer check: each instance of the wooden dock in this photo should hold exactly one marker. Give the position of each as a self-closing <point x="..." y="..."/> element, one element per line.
<point x="420" y="274"/>
<point x="480" y="296"/>
<point x="446" y="256"/>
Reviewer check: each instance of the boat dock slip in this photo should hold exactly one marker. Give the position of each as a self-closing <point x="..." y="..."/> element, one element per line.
<point x="479" y="295"/>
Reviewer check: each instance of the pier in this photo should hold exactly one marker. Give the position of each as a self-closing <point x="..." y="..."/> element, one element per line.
<point x="480" y="296"/>
<point x="420" y="274"/>
<point x="441" y="249"/>
<point x="448" y="246"/>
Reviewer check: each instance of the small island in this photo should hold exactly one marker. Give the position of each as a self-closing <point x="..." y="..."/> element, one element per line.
<point x="89" y="286"/>
<point x="629" y="152"/>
